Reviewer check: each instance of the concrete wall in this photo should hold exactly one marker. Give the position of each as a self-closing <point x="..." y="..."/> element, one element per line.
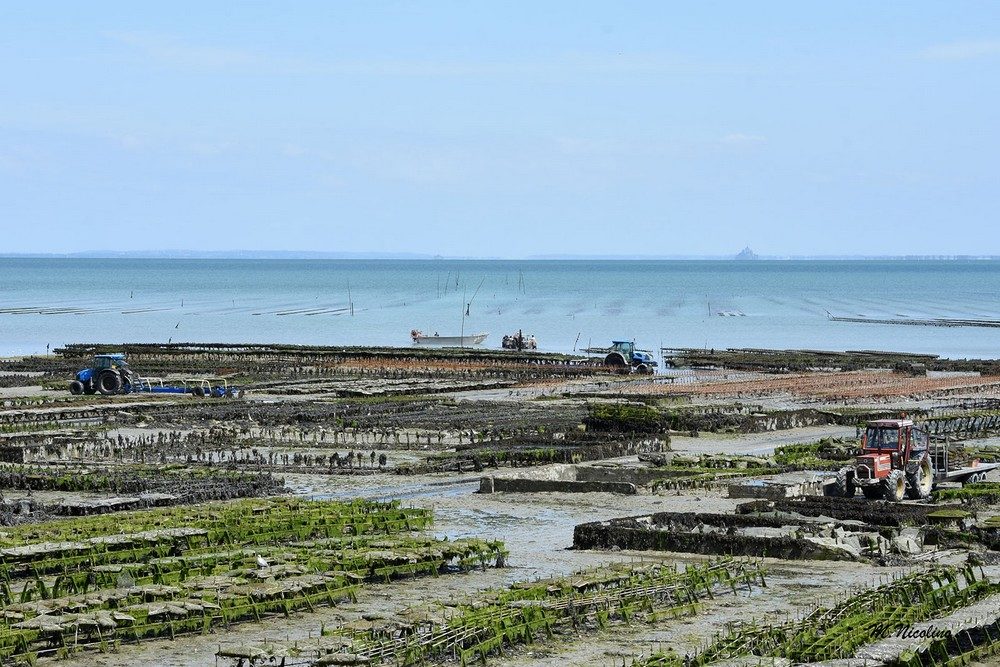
<point x="530" y="485"/>
<point x="776" y="490"/>
<point x="636" y="476"/>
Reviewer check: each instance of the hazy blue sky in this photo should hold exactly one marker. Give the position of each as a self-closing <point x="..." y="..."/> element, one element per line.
<point x="510" y="129"/>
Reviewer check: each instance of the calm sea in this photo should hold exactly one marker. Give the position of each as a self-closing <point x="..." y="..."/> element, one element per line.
<point x="566" y="304"/>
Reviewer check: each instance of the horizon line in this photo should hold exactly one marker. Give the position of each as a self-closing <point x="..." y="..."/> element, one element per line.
<point x="372" y="255"/>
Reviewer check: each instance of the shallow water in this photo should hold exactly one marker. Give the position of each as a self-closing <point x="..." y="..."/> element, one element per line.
<point x="566" y="304"/>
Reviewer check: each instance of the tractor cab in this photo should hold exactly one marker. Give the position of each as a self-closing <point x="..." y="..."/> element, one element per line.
<point x="104" y="361"/>
<point x="891" y="443"/>
<point x="886" y="445"/>
<point x="882" y="438"/>
<point x="625" y="347"/>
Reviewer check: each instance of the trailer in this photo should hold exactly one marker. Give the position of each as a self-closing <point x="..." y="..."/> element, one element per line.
<point x="897" y="460"/>
<point x="944" y="471"/>
<point x="110" y="374"/>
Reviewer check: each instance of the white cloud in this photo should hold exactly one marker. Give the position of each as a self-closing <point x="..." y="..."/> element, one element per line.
<point x="963" y="50"/>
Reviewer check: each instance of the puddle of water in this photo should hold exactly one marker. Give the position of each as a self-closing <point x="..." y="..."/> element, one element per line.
<point x="403" y="492"/>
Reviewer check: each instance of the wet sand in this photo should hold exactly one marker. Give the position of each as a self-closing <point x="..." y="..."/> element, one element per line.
<point x="538" y="531"/>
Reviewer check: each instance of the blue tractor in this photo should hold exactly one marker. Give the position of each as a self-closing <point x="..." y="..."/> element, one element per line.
<point x="625" y="358"/>
<point x="109" y="374"/>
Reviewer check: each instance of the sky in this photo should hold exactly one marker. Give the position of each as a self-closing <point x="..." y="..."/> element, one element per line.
<point x="505" y="129"/>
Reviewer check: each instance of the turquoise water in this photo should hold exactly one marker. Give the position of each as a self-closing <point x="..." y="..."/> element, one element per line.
<point x="564" y="303"/>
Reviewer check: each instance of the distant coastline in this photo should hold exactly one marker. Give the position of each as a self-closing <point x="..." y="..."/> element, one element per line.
<point x="296" y="254"/>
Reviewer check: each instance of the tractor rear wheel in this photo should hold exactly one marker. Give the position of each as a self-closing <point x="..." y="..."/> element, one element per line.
<point x="873" y="492"/>
<point x="76" y="387"/>
<point x="616" y="360"/>
<point x="894" y="486"/>
<point x="919" y="483"/>
<point x="109" y="383"/>
<point x="844" y="485"/>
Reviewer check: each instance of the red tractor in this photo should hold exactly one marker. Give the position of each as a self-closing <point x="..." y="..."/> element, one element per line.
<point x="895" y="461"/>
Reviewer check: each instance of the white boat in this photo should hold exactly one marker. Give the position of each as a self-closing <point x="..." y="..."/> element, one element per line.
<point x="422" y="339"/>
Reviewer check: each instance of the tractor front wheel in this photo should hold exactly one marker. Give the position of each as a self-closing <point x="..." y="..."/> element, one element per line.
<point x="76" y="387"/>
<point x="109" y="383"/>
<point x="844" y="485"/>
<point x="919" y="483"/>
<point x="89" y="388"/>
<point x="894" y="486"/>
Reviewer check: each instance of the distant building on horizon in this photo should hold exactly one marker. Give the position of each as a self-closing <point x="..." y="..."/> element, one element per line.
<point x="746" y="253"/>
